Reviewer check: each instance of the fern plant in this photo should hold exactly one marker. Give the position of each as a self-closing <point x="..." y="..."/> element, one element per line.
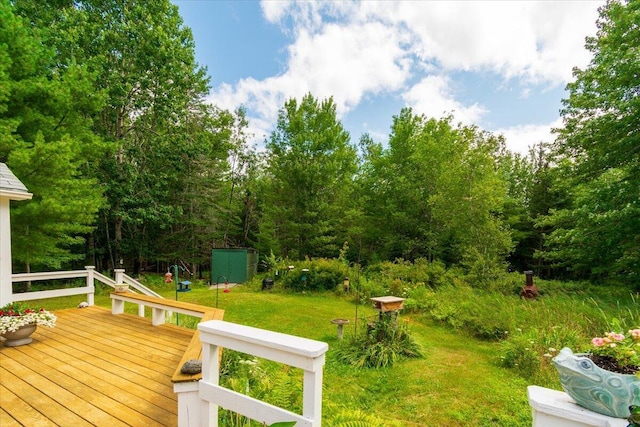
<point x="270" y="382"/>
<point x="280" y="385"/>
<point x="336" y="415"/>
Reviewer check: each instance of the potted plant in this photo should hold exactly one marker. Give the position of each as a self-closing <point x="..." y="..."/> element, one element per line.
<point x="18" y="322"/>
<point x="605" y="378"/>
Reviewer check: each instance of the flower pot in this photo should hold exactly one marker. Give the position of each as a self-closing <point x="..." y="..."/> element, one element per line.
<point x="605" y="392"/>
<point x="20" y="336"/>
<point x="120" y="287"/>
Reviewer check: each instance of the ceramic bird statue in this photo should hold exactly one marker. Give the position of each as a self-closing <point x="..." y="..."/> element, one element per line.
<point x="594" y="388"/>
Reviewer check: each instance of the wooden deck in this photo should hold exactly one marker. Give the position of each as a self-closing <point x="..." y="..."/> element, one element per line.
<point x="93" y="369"/>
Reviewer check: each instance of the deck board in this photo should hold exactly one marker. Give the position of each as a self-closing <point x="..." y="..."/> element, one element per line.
<point x="93" y="368"/>
<point x="18" y="409"/>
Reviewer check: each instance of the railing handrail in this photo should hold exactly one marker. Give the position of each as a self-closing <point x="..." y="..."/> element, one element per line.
<point x="139" y="286"/>
<point x="91" y="276"/>
<point x="48" y="275"/>
<point x="89" y="289"/>
<point x="53" y="293"/>
<point x="104" y="279"/>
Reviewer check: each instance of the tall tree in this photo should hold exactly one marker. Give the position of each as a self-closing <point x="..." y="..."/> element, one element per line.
<point x="209" y="192"/>
<point x="598" y="234"/>
<point x="397" y="185"/>
<point x="46" y="139"/>
<point x="436" y="193"/>
<point x="143" y="59"/>
<point x="311" y="167"/>
<point x="535" y="187"/>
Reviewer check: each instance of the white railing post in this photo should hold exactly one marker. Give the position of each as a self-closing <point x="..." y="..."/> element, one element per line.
<point x="303" y="353"/>
<point x="119" y="275"/>
<point x="6" y="285"/>
<point x="90" y="284"/>
<point x="210" y="374"/>
<point x="312" y="392"/>
<point x="11" y="189"/>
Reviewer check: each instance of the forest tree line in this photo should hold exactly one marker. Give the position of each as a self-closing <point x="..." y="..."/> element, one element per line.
<point x="103" y="117"/>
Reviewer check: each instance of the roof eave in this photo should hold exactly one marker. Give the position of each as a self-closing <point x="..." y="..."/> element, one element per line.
<point x="15" y="195"/>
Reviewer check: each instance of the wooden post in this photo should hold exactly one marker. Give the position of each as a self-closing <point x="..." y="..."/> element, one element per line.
<point x="90" y="284"/>
<point x="10" y="189"/>
<point x="118" y="273"/>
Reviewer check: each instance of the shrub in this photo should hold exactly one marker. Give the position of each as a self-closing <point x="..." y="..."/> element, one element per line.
<point x="520" y="353"/>
<point x="430" y="273"/>
<point x="322" y="275"/>
<point x="365" y="288"/>
<point x="379" y="345"/>
<point x="463" y="307"/>
<point x="420" y="300"/>
<point x="529" y="352"/>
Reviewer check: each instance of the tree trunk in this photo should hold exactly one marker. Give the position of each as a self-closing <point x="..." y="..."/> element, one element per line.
<point x="117" y="236"/>
<point x="28" y="267"/>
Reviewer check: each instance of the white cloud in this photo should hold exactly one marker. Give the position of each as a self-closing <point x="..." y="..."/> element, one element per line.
<point x="342" y="62"/>
<point x="348" y="62"/>
<point x="520" y="138"/>
<point x="274" y="11"/>
<point x="351" y="50"/>
<point x="536" y="41"/>
<point x="433" y="97"/>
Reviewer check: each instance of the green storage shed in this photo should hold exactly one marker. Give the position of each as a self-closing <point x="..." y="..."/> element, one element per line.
<point x="236" y="265"/>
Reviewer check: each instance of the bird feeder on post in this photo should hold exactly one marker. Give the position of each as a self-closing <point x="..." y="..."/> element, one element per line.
<point x="180" y="286"/>
<point x="11" y="188"/>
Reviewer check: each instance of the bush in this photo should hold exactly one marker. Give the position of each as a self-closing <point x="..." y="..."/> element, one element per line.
<point x="379" y="345"/>
<point x="529" y="352"/>
<point x="322" y="275"/>
<point x="401" y="272"/>
<point x="365" y="288"/>
<point x="420" y="300"/>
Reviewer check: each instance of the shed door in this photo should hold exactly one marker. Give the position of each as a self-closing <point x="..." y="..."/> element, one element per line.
<point x="230" y="264"/>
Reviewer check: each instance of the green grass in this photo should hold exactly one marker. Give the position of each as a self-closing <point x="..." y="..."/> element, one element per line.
<point x="458" y="380"/>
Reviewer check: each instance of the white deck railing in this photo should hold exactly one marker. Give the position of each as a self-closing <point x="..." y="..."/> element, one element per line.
<point x="89" y="289"/>
<point x="198" y="402"/>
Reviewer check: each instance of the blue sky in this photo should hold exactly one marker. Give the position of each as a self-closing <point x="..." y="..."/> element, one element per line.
<point x="501" y="65"/>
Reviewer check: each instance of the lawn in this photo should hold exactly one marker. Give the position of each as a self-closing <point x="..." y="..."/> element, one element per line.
<point x="458" y="380"/>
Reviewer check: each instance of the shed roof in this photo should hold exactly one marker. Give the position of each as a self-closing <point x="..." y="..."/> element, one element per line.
<point x="11" y="186"/>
